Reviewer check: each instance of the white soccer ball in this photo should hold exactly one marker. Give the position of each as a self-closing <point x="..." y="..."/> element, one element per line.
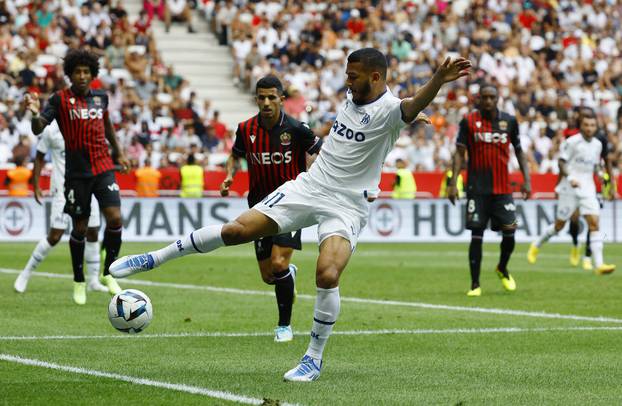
<point x="130" y="311"/>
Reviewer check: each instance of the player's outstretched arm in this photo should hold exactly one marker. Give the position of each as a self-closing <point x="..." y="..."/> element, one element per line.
<point x="524" y="168"/>
<point x="114" y="143"/>
<point x="452" y="189"/>
<point x="37" y="123"/>
<point x="449" y="71"/>
<point x="231" y="167"/>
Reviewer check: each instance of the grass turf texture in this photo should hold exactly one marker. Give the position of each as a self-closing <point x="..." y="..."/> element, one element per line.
<point x="526" y="367"/>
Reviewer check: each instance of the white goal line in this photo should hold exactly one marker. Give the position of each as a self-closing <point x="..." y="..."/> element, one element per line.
<point x="491" y="330"/>
<point x="196" y="390"/>
<point x="505" y="312"/>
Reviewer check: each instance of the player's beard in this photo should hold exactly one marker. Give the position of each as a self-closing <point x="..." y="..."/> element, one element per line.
<point x="362" y="93"/>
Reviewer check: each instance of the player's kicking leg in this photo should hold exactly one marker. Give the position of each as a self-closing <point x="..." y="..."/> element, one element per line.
<point x="335" y="253"/>
<point x="276" y="270"/>
<point x="249" y="226"/>
<point x="40" y="252"/>
<point x="596" y="245"/>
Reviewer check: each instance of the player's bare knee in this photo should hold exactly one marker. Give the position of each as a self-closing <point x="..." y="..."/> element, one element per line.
<point x="234" y="233"/>
<point x="559" y="224"/>
<point x="327" y="277"/>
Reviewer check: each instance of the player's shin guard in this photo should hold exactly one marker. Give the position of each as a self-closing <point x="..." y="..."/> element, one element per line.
<point x="550" y="232"/>
<point x="574" y="232"/>
<point x="475" y="256"/>
<point x="200" y="241"/>
<point x="38" y="255"/>
<point x="327" y="305"/>
<point x="112" y="245"/>
<point x="284" y="291"/>
<point x="596" y="244"/>
<point x="76" y="247"/>
<point x="507" y="247"/>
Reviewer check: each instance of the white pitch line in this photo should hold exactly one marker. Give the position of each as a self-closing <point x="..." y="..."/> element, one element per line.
<point x="492" y="330"/>
<point x="505" y="312"/>
<point x="196" y="390"/>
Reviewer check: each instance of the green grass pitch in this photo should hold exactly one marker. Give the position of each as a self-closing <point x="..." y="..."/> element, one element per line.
<point x="414" y="339"/>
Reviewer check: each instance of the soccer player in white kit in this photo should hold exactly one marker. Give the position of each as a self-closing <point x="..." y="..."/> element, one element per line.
<point x="334" y="193"/>
<point x="579" y="159"/>
<point x="52" y="141"/>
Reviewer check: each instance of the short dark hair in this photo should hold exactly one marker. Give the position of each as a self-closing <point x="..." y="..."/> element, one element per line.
<point x="372" y="60"/>
<point x="190" y="160"/>
<point x="487" y="85"/>
<point x="270" y="82"/>
<point x="77" y="57"/>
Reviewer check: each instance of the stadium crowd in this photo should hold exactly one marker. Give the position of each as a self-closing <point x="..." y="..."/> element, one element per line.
<point x="157" y="116"/>
<point x="547" y="58"/>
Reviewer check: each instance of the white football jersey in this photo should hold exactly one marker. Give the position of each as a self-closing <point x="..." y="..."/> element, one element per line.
<point x="52" y="141"/>
<point x="581" y="158"/>
<point x="353" y="153"/>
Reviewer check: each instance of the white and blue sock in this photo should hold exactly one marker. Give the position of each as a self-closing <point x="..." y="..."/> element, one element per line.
<point x="199" y="241"/>
<point x="327" y="306"/>
<point x="40" y="252"/>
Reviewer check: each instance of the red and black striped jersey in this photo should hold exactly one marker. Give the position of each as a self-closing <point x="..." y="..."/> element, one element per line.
<point x="274" y="156"/>
<point x="81" y="121"/>
<point x="488" y="145"/>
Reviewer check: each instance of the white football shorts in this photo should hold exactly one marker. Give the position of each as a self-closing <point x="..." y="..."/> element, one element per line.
<point x="61" y="220"/>
<point x="303" y="202"/>
<point x="568" y="203"/>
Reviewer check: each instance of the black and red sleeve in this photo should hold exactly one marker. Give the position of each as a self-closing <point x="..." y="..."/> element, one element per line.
<point x="239" y="147"/>
<point x="50" y="112"/>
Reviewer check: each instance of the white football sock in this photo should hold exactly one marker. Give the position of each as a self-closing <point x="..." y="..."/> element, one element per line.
<point x="38" y="255"/>
<point x="548" y="233"/>
<point x="92" y="258"/>
<point x="203" y="240"/>
<point x="596" y="245"/>
<point x="327" y="306"/>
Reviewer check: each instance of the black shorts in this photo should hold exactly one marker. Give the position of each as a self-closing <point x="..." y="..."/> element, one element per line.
<point x="263" y="247"/>
<point x="78" y="192"/>
<point x="499" y="209"/>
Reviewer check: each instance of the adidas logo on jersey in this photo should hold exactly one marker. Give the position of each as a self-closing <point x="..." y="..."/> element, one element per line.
<point x="86" y="114"/>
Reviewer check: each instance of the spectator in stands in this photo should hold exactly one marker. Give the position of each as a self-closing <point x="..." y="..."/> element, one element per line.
<point x="21" y="151"/>
<point x="179" y="11"/>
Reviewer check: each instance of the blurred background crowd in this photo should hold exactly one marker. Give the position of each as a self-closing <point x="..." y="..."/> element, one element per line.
<point x="547" y="57"/>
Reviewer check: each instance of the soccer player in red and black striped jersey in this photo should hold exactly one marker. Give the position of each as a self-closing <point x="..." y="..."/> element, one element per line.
<point x="486" y="134"/>
<point x="82" y="116"/>
<point x="277" y="148"/>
